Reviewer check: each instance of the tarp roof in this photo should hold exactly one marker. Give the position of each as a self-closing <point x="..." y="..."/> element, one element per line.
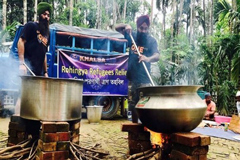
<point x="86" y="31"/>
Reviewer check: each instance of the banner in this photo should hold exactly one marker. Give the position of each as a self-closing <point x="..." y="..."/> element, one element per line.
<point x="103" y="74"/>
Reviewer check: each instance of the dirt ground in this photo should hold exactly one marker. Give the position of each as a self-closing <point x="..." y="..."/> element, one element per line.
<point x="109" y="135"/>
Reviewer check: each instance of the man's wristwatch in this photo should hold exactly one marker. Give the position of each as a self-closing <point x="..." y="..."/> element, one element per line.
<point x="45" y="72"/>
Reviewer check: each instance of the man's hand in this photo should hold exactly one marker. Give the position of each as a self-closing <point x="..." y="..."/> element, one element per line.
<point x="143" y="58"/>
<point x="128" y="29"/>
<point x="45" y="74"/>
<point x="22" y="69"/>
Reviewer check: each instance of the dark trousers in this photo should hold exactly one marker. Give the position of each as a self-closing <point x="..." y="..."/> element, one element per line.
<point x="135" y="98"/>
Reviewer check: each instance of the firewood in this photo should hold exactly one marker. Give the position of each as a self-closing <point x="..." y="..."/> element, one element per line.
<point x="16" y="154"/>
<point x="134" y="156"/>
<point x="157" y="156"/>
<point x="32" y="155"/>
<point x="73" y="153"/>
<point x="80" y="153"/>
<point x="147" y="156"/>
<point x="18" y="146"/>
<point x="3" y="140"/>
<point x="91" y="150"/>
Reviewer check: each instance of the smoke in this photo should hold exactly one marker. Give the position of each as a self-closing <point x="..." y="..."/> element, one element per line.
<point x="9" y="73"/>
<point x="10" y="81"/>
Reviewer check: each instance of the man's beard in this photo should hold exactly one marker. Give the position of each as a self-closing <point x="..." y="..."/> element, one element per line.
<point x="208" y="102"/>
<point x="44" y="26"/>
<point x="141" y="38"/>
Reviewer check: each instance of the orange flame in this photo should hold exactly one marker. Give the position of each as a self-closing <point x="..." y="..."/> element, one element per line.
<point x="158" y="138"/>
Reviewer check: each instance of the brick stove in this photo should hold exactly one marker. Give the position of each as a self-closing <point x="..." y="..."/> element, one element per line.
<point x="53" y="138"/>
<point x="176" y="146"/>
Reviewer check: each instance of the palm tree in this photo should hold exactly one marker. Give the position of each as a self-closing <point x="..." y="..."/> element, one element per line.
<point x="35" y="10"/>
<point x="230" y="16"/>
<point x="71" y="12"/>
<point x="162" y="5"/>
<point x="4" y="13"/>
<point x="24" y="11"/>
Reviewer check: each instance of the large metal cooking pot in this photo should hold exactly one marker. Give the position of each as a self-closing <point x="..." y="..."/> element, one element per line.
<point x="51" y="99"/>
<point x="169" y="109"/>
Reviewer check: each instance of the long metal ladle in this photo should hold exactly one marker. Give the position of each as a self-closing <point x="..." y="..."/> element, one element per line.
<point x="144" y="65"/>
<point x="28" y="69"/>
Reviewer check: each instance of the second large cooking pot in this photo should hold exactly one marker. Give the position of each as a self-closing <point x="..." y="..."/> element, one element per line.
<point x="169" y="109"/>
<point x="51" y="99"/>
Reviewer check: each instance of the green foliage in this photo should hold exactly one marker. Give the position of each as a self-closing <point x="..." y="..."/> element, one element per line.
<point x="165" y="78"/>
<point x="8" y="33"/>
<point x="225" y="100"/>
<point x="236" y="67"/>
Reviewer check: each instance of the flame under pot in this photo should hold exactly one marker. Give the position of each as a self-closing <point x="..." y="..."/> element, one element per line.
<point x="169" y="109"/>
<point x="51" y="99"/>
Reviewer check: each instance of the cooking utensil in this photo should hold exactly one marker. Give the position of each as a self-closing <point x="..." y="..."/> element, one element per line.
<point x="51" y="99"/>
<point x="169" y="109"/>
<point x="28" y="69"/>
<point x="144" y="65"/>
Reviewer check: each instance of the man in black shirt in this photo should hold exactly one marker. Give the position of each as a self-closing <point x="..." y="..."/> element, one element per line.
<point x="148" y="48"/>
<point x="33" y="43"/>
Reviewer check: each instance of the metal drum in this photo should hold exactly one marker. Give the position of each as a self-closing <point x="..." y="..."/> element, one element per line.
<point x="169" y="109"/>
<point x="51" y="99"/>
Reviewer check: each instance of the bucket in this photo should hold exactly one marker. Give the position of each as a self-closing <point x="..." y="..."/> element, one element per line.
<point x="94" y="113"/>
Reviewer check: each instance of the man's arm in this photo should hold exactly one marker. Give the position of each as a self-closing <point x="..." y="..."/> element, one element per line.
<point x="21" y="50"/>
<point x="213" y="108"/>
<point x="123" y="28"/>
<point x="154" y="58"/>
<point x="45" y="67"/>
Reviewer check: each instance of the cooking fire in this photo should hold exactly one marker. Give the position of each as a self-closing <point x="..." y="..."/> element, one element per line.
<point x="146" y="144"/>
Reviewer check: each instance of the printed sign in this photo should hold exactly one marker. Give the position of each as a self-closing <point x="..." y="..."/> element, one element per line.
<point x="102" y="74"/>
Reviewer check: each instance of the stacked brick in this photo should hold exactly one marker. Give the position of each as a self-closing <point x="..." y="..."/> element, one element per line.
<point x="189" y="146"/>
<point x="74" y="131"/>
<point x="20" y="129"/>
<point x="16" y="131"/>
<point x="138" y="138"/>
<point x="54" y="141"/>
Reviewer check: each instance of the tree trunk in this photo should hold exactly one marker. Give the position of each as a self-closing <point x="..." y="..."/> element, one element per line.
<point x="67" y="3"/>
<point x="151" y="11"/>
<point x="176" y="28"/>
<point x="4" y="13"/>
<point x="124" y="11"/>
<point x="173" y="16"/>
<point x="164" y="25"/>
<point x="24" y="11"/>
<point x="180" y="13"/>
<point x="35" y="10"/>
<point x="71" y="12"/>
<point x="114" y="14"/>
<point x="204" y="19"/>
<point x="211" y="18"/>
<point x="98" y="14"/>
<point x="191" y="21"/>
